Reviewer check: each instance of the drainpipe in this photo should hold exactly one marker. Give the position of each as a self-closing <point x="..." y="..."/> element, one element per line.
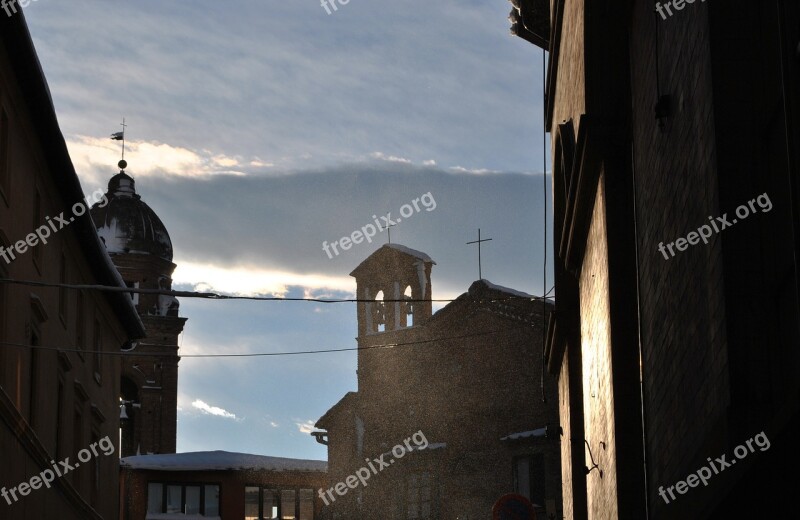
<point x="639" y="334"/>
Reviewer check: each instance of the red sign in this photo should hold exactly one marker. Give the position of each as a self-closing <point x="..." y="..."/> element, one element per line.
<point x="513" y="507"/>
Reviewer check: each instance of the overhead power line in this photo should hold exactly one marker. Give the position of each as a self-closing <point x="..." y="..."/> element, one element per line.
<point x="216" y="296"/>
<point x="135" y="353"/>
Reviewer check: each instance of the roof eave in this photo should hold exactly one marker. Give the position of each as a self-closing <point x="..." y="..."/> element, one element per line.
<point x="15" y="36"/>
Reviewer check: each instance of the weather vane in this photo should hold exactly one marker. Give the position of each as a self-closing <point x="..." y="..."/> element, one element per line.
<point x="120" y="136"/>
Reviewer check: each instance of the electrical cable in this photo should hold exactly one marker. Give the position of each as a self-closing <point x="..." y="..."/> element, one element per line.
<point x="544" y="196"/>
<point x="134" y="353"/>
<point x="216" y="296"/>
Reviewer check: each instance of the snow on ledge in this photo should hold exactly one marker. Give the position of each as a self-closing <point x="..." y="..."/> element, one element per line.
<point x="433" y="446"/>
<point x="413" y="252"/>
<point x="540" y="432"/>
<point x="219" y="461"/>
<point x="178" y="516"/>
<point x="512" y="292"/>
<point x="506" y="290"/>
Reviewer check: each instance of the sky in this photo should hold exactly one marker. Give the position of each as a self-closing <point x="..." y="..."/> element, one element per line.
<point x="259" y="130"/>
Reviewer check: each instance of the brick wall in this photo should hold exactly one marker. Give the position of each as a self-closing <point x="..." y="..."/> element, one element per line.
<point x="597" y="367"/>
<point x="564" y="413"/>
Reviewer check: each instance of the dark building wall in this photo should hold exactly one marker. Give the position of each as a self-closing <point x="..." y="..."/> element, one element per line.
<point x="684" y="339"/>
<point x="718" y="356"/>
<point x="53" y="404"/>
<point x="715" y="320"/>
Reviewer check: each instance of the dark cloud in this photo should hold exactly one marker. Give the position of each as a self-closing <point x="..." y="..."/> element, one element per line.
<point x="280" y="222"/>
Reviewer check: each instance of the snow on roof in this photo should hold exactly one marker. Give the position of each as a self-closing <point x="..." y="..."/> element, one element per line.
<point x="220" y="461"/>
<point x="513" y="292"/>
<point x="540" y="432"/>
<point x="173" y="516"/>
<point x="413" y="252"/>
<point x="431" y="446"/>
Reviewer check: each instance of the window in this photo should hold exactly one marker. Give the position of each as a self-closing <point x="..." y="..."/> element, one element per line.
<point x="33" y="378"/>
<point x="251" y="504"/>
<point x="529" y="478"/>
<point x="77" y="443"/>
<point x="59" y="416"/>
<point x="192" y="501"/>
<point x="306" y="499"/>
<point x="38" y="218"/>
<point x="408" y="313"/>
<point x="278" y="504"/>
<point x="95" y="470"/>
<point x="211" y="500"/>
<point x="63" y="295"/>
<point x="379" y="313"/>
<point x="97" y="347"/>
<point x="174" y="499"/>
<point x="287" y="504"/>
<point x="182" y="499"/>
<point x="79" y="324"/>
<point x="155" y="498"/>
<point x="270" y="505"/>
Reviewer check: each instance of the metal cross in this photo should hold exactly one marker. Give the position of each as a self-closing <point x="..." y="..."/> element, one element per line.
<point x="389" y="230"/>
<point x="479" y="241"/>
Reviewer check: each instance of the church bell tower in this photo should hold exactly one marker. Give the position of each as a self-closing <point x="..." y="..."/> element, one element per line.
<point x="141" y="250"/>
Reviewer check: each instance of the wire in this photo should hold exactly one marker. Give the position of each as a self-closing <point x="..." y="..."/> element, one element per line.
<point x="544" y="196"/>
<point x="215" y="296"/>
<point x="134" y="353"/>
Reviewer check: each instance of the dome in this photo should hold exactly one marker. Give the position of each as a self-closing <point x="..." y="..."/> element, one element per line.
<point x="127" y="225"/>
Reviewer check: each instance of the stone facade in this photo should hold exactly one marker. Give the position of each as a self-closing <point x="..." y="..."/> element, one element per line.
<point x="464" y="378"/>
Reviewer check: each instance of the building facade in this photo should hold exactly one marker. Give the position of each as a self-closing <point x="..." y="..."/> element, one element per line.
<point x="448" y="393"/>
<point x="675" y="192"/>
<point x="59" y="375"/>
<point x="220" y="485"/>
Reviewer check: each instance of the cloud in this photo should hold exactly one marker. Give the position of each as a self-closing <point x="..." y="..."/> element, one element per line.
<point x="212" y="410"/>
<point x="473" y="171"/>
<point x="305" y="426"/>
<point x="147" y="159"/>
<point x="389" y="158"/>
<point x="273" y="424"/>
<point x="255" y="281"/>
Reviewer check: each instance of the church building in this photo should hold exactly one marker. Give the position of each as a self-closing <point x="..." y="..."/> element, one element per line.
<point x="141" y="249"/>
<point x="467" y="379"/>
